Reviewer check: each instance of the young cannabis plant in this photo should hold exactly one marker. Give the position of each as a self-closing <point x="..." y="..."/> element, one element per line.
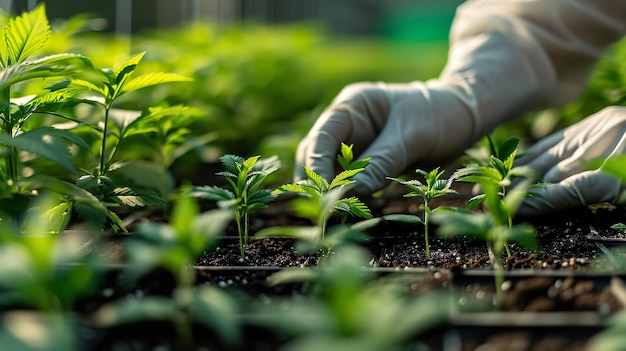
<point x="492" y="226"/>
<point x="433" y="188"/>
<point x="246" y="178"/>
<point x="317" y="187"/>
<point x="498" y="170"/>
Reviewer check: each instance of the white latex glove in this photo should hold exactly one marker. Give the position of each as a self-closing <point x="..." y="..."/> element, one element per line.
<point x="506" y="57"/>
<point x="394" y="124"/>
<point x="563" y="159"/>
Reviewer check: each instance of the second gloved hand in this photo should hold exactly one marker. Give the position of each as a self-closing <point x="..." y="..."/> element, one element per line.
<point x="563" y="158"/>
<point x="397" y="125"/>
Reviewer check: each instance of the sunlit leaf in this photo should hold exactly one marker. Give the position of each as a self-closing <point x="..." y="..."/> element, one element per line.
<point x="150" y="79"/>
<point x="24" y="35"/>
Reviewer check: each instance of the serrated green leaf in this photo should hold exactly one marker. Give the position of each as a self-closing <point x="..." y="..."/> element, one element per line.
<point x="48" y="143"/>
<point x="49" y="66"/>
<point x="150" y="79"/>
<point x="213" y="192"/>
<point x="231" y="163"/>
<point x="24" y="35"/>
<point x="343" y="178"/>
<point x="132" y="62"/>
<point x="293" y="188"/>
<point x="353" y="206"/>
<point x="261" y="197"/>
<point x="248" y="164"/>
<point x="319" y="181"/>
<point x="137" y="197"/>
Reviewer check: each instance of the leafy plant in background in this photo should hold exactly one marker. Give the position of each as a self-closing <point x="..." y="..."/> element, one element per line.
<point x="162" y="135"/>
<point x="24" y="36"/>
<point x="498" y="170"/>
<point x="246" y="178"/>
<point x="346" y="312"/>
<point x="317" y="187"/>
<point x="492" y="226"/>
<point x="105" y="88"/>
<point x="433" y="188"/>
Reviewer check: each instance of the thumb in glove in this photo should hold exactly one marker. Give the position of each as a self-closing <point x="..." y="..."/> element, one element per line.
<point x="564" y="160"/>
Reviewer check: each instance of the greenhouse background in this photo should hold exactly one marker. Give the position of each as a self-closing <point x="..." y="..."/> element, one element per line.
<point x="395" y="19"/>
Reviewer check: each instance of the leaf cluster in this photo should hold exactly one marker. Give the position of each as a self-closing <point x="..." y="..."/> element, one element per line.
<point x="317" y="186"/>
<point x="499" y="169"/>
<point x="246" y="178"/>
<point x="433" y="188"/>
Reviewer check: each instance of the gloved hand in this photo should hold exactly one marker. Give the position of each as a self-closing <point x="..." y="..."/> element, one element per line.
<point x="563" y="159"/>
<point x="394" y="124"/>
<point x="505" y="57"/>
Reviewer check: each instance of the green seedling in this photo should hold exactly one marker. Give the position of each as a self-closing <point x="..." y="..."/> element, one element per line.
<point x="499" y="170"/>
<point x="105" y="87"/>
<point x="246" y="178"/>
<point x="176" y="246"/>
<point x="159" y="136"/>
<point x="23" y="38"/>
<point x="346" y="310"/>
<point x="317" y="187"/>
<point x="319" y="238"/>
<point x="492" y="226"/>
<point x="433" y="188"/>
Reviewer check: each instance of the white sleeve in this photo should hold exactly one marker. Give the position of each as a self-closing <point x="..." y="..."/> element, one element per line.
<point x="508" y="57"/>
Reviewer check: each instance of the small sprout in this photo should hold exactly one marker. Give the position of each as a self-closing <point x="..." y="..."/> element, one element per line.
<point x="319" y="189"/>
<point x="433" y="188"/>
<point x="492" y="226"/>
<point x="498" y="170"/>
<point x="246" y="178"/>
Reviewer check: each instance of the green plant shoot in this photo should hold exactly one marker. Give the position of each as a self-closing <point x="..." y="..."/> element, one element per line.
<point x="317" y="187"/>
<point x="499" y="170"/>
<point x="433" y="188"/>
<point x="246" y="178"/>
<point x="492" y="226"/>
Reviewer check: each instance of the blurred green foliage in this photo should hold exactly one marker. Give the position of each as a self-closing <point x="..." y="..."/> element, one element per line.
<point x="261" y="87"/>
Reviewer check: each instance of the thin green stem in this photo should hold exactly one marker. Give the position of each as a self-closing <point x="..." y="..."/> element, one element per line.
<point x="240" y="230"/>
<point x="11" y="158"/>
<point x="246" y="225"/>
<point x="426" y="219"/>
<point x="498" y="274"/>
<point x="102" y="171"/>
<point x="506" y="243"/>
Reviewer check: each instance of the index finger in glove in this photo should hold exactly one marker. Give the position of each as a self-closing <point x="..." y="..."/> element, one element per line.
<point x="577" y="190"/>
<point x="318" y="149"/>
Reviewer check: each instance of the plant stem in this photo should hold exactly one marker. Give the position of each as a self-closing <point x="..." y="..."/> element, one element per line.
<point x="506" y="243"/>
<point x="246" y="225"/>
<point x="426" y="218"/>
<point x="240" y="229"/>
<point x="102" y="170"/>
<point x="498" y="276"/>
<point x="11" y="158"/>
